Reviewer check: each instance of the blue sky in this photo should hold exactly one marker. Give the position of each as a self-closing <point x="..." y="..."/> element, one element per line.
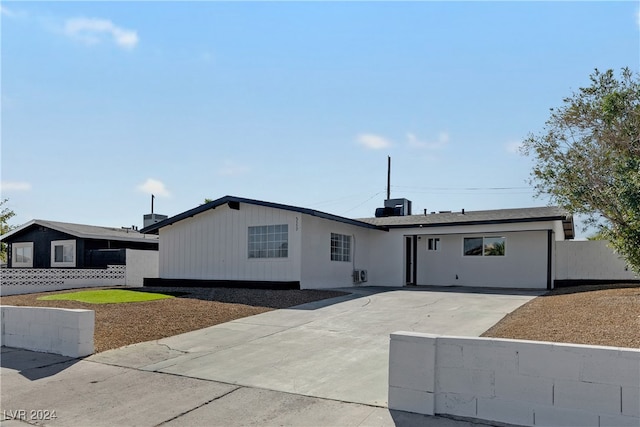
<point x="104" y="103"/>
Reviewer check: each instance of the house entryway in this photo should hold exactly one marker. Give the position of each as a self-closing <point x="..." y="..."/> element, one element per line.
<point x="411" y="262"/>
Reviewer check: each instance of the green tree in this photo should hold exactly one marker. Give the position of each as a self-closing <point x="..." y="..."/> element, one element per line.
<point x="587" y="158"/>
<point x="5" y="215"/>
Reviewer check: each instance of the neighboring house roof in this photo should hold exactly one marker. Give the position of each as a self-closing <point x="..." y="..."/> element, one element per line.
<point x="498" y="216"/>
<point x="234" y="202"/>
<point x="86" y="231"/>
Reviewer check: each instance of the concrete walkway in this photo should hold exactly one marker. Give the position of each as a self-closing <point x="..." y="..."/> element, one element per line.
<point x="323" y="363"/>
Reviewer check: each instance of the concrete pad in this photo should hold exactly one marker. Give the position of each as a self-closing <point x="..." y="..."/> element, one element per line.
<point x="337" y="351"/>
<point x="256" y="407"/>
<point x="325" y="363"/>
<point x="13" y="359"/>
<point x="87" y="393"/>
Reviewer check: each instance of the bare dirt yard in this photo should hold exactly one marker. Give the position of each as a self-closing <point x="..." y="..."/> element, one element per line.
<point x="122" y="324"/>
<point x="598" y="315"/>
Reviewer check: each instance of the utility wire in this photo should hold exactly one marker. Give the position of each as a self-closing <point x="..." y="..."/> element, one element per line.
<point x="357" y="206"/>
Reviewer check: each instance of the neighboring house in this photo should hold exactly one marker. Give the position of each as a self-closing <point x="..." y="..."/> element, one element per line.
<point x="244" y="241"/>
<point x="51" y="244"/>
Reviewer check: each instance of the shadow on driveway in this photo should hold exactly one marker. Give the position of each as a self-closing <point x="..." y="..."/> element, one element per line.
<point x="34" y="365"/>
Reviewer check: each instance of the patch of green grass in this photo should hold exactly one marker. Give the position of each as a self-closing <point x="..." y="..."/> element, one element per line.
<point x="106" y="296"/>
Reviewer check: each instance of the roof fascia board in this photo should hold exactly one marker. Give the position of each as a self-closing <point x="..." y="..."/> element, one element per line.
<point x="479" y="222"/>
<point x="17" y="230"/>
<point x="226" y="199"/>
<point x="73" y="233"/>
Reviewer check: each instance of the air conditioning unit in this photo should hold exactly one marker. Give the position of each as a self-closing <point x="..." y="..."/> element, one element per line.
<point x="356" y="276"/>
<point x="360" y="276"/>
<point x="363" y="275"/>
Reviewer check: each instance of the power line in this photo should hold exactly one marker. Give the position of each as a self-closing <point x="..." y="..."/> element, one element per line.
<point x="462" y="188"/>
<point x="357" y="206"/>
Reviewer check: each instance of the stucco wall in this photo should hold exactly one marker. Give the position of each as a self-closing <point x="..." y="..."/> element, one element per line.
<point x="528" y="250"/>
<point x="318" y="271"/>
<point x="590" y="260"/>
<point x="517" y="382"/>
<point x="141" y="264"/>
<point x="213" y="246"/>
<point x="524" y="264"/>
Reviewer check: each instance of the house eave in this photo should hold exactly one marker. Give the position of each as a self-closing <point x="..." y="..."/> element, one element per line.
<point x="237" y="201"/>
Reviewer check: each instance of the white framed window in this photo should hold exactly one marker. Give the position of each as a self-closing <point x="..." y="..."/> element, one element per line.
<point x="485" y="246"/>
<point x="63" y="253"/>
<point x="268" y="241"/>
<point x="22" y="255"/>
<point x="340" y="247"/>
<point x="433" y="244"/>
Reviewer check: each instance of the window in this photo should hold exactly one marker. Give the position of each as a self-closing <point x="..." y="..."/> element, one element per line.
<point x="22" y="255"/>
<point x="63" y="253"/>
<point x="340" y="247"/>
<point x="433" y="244"/>
<point x="269" y="241"/>
<point x="494" y="246"/>
<point x="484" y="246"/>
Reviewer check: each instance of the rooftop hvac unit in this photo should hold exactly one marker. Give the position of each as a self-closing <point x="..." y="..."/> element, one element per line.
<point x="360" y="276"/>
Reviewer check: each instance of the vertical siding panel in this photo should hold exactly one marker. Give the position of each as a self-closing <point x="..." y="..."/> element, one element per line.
<point x="207" y="245"/>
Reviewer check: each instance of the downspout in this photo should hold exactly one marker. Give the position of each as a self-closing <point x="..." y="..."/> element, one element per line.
<point x="353" y="260"/>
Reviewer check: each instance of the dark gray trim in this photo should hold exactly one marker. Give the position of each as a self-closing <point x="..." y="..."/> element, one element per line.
<point x="415" y="259"/>
<point x="588" y="282"/>
<point x="549" y="259"/>
<point x="236" y="201"/>
<point x="194" y="283"/>
<point x="479" y="222"/>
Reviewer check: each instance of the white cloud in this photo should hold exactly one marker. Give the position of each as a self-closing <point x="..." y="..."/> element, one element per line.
<point x="513" y="147"/>
<point x="92" y="31"/>
<point x="440" y="142"/>
<point x="12" y="13"/>
<point x="155" y="187"/>
<point x="4" y="11"/>
<point x="15" y="186"/>
<point x="230" y="168"/>
<point x="373" y="142"/>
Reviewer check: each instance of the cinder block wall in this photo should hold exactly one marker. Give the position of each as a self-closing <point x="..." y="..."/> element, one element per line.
<point x="68" y="332"/>
<point x="518" y="382"/>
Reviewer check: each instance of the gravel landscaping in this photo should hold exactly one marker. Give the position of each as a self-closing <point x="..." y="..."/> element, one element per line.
<point x="598" y="315"/>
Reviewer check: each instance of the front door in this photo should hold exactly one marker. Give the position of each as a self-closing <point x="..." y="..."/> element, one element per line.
<point x="411" y="267"/>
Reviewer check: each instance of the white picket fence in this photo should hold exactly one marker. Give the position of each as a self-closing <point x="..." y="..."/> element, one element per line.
<point x="14" y="281"/>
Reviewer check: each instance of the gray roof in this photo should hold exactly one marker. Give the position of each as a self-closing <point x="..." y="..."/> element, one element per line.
<point x="84" y="231"/>
<point x="235" y="201"/>
<point x="498" y="216"/>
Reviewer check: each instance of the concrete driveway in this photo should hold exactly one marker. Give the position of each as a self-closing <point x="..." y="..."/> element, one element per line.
<point x="334" y="349"/>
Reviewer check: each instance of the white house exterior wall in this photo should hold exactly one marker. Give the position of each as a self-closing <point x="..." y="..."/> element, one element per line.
<point x="388" y="257"/>
<point x="523" y="266"/>
<point x="213" y="246"/>
<point x="318" y="271"/>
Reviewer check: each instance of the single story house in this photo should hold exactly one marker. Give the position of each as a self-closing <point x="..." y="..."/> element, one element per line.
<point x="244" y="241"/>
<point x="51" y="244"/>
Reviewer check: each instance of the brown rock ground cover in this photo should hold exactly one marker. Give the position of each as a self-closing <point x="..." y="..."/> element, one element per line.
<point x="598" y="315"/>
